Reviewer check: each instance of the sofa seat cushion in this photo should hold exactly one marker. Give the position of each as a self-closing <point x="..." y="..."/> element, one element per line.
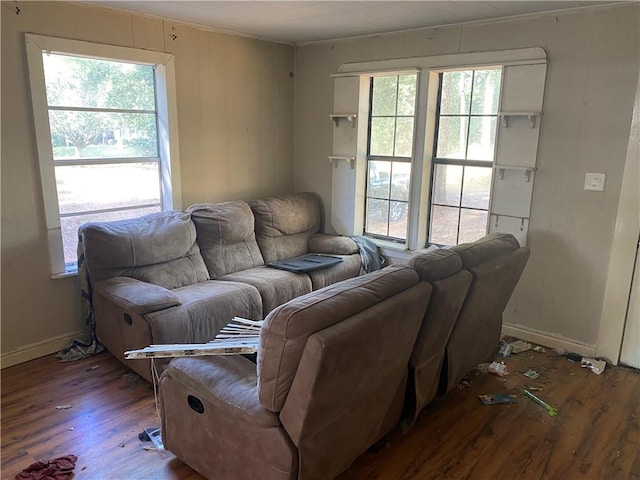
<point x="205" y="308"/>
<point x="159" y="248"/>
<point x="287" y="328"/>
<point x="285" y="224"/>
<point x="275" y="286"/>
<point x="226" y="237"/>
<point x="348" y="268"/>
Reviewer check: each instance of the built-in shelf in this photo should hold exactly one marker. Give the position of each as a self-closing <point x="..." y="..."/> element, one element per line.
<point x="530" y="115"/>
<point x="526" y="170"/>
<point x="334" y="159"/>
<point x="349" y="117"/>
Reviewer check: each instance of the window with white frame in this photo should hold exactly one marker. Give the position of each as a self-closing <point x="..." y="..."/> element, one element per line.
<point x="103" y="124"/>
<point x="464" y="148"/>
<point x="471" y="158"/>
<point x="389" y="154"/>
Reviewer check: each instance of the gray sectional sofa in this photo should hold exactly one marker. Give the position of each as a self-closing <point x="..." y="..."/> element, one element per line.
<point x="340" y="367"/>
<point x="180" y="276"/>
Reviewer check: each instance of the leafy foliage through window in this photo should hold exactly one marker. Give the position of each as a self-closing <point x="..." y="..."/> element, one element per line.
<point x="389" y="154"/>
<point x="102" y="120"/>
<point x="464" y="151"/>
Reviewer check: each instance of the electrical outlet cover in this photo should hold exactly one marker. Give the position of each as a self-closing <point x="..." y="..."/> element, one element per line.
<point x="594" y="181"/>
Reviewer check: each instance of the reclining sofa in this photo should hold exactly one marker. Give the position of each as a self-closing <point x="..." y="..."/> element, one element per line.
<point x="340" y="367"/>
<point x="180" y="276"/>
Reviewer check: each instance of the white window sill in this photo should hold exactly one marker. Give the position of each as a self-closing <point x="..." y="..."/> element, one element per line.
<point x="70" y="272"/>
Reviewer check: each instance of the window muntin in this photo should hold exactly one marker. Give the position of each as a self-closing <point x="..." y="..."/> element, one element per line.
<point x="464" y="150"/>
<point x="389" y="154"/>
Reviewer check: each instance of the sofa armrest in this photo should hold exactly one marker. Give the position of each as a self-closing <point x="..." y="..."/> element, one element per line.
<point x="136" y="296"/>
<point x="332" y="244"/>
<point x="228" y="382"/>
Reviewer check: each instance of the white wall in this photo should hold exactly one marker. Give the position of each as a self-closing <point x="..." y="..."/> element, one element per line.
<point x="235" y="114"/>
<point x="591" y="82"/>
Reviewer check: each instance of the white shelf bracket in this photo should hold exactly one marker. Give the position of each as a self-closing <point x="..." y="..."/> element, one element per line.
<point x="349" y="117"/>
<point x="531" y="116"/>
<point x="334" y="159"/>
<point x="527" y="175"/>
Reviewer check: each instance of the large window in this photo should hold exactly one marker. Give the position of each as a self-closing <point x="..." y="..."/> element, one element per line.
<point x="443" y="148"/>
<point x="464" y="149"/>
<point x="389" y="155"/>
<point x="103" y="141"/>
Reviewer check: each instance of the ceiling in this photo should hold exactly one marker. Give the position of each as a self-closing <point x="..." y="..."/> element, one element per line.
<point x="298" y="22"/>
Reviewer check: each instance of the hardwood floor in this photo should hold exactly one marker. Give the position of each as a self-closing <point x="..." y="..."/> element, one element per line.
<point x="596" y="434"/>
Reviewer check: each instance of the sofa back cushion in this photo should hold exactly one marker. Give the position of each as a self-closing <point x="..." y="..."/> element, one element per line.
<point x="159" y="248"/>
<point x="436" y="264"/>
<point x="285" y="224"/>
<point x="344" y="396"/>
<point x="226" y="237"/>
<point x="488" y="247"/>
<point x="496" y="263"/>
<point x="287" y="328"/>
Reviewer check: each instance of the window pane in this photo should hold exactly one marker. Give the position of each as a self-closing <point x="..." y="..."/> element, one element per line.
<point x="382" y="136"/>
<point x="404" y="137"/>
<point x="97" y="187"/>
<point x="385" y="90"/>
<point x="398" y="219"/>
<point x="482" y="138"/>
<point x="102" y="135"/>
<point x="444" y="225"/>
<point x="447" y="185"/>
<point x="407" y="94"/>
<point x="379" y="175"/>
<point x="456" y="93"/>
<point x="86" y="82"/>
<point x="477" y="184"/>
<point x="377" y="216"/>
<point x="486" y="92"/>
<point x="70" y="227"/>
<point x="452" y="137"/>
<point x="400" y="181"/>
<point x="473" y="225"/>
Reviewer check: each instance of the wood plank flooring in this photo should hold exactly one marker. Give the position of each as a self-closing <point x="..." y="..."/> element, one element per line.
<point x="596" y="434"/>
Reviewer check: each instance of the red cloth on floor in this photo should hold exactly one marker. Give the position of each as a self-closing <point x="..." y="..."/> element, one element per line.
<point x="60" y="468"/>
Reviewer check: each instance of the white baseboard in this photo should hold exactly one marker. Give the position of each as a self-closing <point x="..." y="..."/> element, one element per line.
<point x="38" y="349"/>
<point x="548" y="340"/>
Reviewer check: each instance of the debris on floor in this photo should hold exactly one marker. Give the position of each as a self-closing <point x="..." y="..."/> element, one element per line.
<point x="63" y="407"/>
<point x="532" y="374"/>
<point x="596" y="366"/>
<point x="499" y="369"/>
<point x="539" y="349"/>
<point x="496" y="398"/>
<point x="130" y="377"/>
<point x="92" y="367"/>
<point x="483" y="368"/>
<point x="59" y="468"/>
<point x="152" y="435"/>
<point x="464" y="383"/>
<point x="573" y="357"/>
<point x="550" y="410"/>
<point x="504" y="349"/>
<point x="520" y="346"/>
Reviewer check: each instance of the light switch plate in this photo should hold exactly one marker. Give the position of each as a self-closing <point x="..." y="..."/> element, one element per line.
<point x="594" y="181"/>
